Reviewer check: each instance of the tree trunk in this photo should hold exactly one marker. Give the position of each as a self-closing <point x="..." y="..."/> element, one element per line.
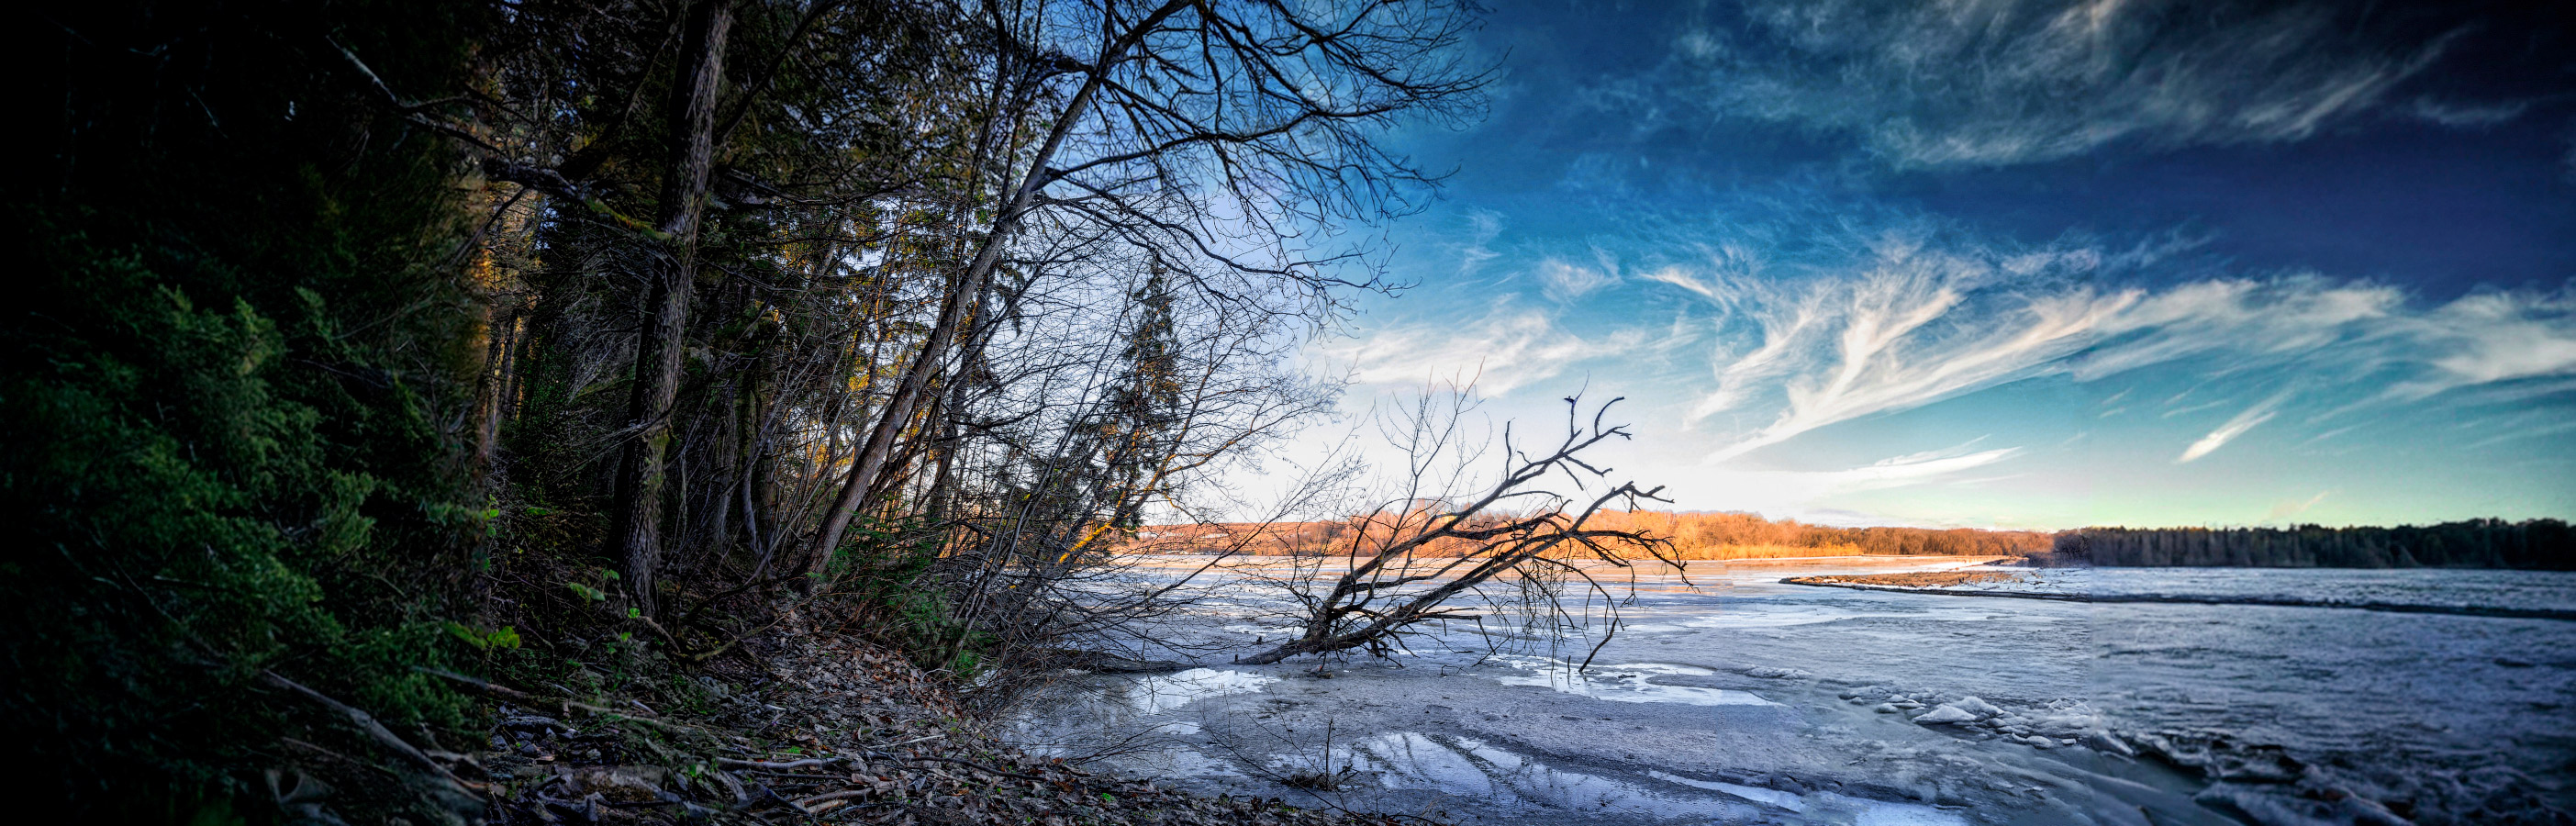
<point x="969" y="290"/>
<point x="659" y="351"/>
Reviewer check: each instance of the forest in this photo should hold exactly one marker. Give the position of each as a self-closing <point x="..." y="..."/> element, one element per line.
<point x="573" y="344"/>
<point x="2546" y="544"/>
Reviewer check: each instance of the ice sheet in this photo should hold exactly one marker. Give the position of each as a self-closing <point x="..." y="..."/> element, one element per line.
<point x="1628" y="683"/>
<point x="1748" y="701"/>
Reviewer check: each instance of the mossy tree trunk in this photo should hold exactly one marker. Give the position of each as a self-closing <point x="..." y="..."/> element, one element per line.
<point x="661" y="350"/>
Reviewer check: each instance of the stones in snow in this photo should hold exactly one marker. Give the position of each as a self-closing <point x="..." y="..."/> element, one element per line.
<point x="1946" y="713"/>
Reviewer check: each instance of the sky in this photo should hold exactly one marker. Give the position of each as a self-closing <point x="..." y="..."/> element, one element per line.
<point x="2007" y="263"/>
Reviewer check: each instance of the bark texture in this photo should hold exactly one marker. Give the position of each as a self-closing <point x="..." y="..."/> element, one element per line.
<point x="661" y="350"/>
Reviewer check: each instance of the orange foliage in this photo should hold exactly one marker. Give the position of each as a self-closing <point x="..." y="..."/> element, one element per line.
<point x="1693" y="534"/>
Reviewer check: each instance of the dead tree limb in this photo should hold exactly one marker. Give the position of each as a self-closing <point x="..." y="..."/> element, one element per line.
<point x="1410" y="559"/>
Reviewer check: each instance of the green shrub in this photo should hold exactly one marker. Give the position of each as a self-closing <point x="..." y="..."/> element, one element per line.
<point x="221" y="378"/>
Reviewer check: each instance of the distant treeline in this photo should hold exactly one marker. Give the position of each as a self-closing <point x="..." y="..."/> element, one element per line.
<point x="1710" y="535"/>
<point x="2476" y="543"/>
<point x="1693" y="534"/>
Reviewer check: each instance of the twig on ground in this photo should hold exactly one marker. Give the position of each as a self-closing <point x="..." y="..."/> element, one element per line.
<point x="336" y="755"/>
<point x="367" y="723"/>
<point x="506" y="692"/>
<point x="921" y="739"/>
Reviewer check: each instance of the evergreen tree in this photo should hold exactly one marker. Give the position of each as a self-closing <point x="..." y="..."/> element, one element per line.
<point x="1144" y="409"/>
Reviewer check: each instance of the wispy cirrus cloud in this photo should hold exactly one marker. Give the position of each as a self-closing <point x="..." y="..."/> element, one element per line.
<point x="2491" y="337"/>
<point x="2277" y="315"/>
<point x="2261" y="412"/>
<point x="1567" y="280"/>
<point x="1908" y="316"/>
<point x="1508" y="347"/>
<point x="1795" y="493"/>
<point x="2466" y="115"/>
<point x="1905" y="322"/>
<point x="1483" y="226"/>
<point x="1996" y="82"/>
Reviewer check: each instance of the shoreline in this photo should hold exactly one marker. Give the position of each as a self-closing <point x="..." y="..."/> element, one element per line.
<point x="1271" y="560"/>
<point x="2277" y="602"/>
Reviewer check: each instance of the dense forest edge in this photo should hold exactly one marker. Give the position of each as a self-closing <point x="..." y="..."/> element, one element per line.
<point x="2474" y="543"/>
<point x="407" y="401"/>
<point x="646" y="412"/>
<point x="2542" y="544"/>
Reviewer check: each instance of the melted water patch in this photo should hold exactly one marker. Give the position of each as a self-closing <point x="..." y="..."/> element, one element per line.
<point x="1161" y="693"/>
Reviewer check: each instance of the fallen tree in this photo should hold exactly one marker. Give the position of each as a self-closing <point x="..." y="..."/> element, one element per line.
<point x="1413" y="558"/>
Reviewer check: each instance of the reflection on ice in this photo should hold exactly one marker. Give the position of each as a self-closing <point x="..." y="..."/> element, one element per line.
<point x="1774" y="797"/>
<point x="1471" y="768"/>
<point x="1158" y="694"/>
<point x="1833" y="808"/>
<point x="1630" y="683"/>
<point x="1406" y="760"/>
<point x="1180" y="762"/>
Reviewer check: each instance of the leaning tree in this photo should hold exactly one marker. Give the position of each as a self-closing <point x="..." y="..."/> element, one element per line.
<point x="1226" y="143"/>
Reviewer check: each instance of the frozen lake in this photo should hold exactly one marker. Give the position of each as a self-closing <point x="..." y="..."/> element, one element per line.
<point x="1744" y="700"/>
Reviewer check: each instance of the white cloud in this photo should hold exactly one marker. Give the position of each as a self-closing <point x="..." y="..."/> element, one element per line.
<point x="1908" y="323"/>
<point x="2278" y="315"/>
<point x="1483" y="226"/>
<point x="1794" y="493"/>
<point x="1509" y="347"/>
<point x="2523" y="430"/>
<point x="2493" y="337"/>
<point x="1993" y="82"/>
<point x="1566" y="281"/>
<point x="2186" y="411"/>
<point x="1907" y="319"/>
<point x="2261" y="412"/>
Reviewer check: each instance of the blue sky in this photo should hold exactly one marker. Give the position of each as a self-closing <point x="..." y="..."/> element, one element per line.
<point x="2018" y="264"/>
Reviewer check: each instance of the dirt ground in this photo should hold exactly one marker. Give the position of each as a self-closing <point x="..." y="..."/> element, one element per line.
<point x="814" y="727"/>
